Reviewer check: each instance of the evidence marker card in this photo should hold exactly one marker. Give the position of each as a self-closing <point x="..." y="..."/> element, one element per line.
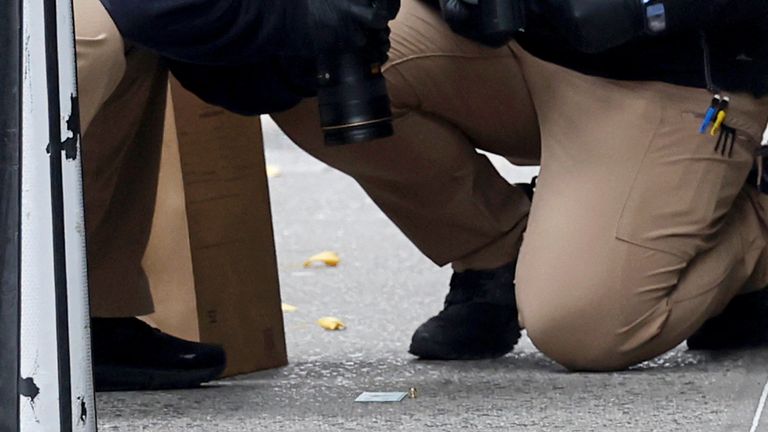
<point x="381" y="397"/>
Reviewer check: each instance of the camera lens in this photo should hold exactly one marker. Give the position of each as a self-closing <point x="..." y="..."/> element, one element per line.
<point x="353" y="99"/>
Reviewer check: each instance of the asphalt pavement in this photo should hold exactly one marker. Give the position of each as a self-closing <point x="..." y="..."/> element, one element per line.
<point x="382" y="290"/>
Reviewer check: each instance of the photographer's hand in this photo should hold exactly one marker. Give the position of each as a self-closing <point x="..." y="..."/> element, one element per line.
<point x="333" y="27"/>
<point x="461" y="17"/>
<point x="490" y="22"/>
<point x="344" y="25"/>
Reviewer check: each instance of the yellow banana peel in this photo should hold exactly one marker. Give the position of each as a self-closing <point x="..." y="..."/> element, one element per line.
<point x="274" y="171"/>
<point x="331" y="323"/>
<point x="329" y="258"/>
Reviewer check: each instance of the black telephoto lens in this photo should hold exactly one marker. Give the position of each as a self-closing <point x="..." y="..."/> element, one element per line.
<point x="353" y="99"/>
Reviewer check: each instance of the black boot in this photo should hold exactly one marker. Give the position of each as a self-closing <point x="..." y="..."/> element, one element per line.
<point x="128" y="354"/>
<point x="479" y="320"/>
<point x="743" y="324"/>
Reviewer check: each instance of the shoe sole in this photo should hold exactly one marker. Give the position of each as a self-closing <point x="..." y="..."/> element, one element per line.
<point x="459" y="357"/>
<point x="427" y="350"/>
<point x="120" y="378"/>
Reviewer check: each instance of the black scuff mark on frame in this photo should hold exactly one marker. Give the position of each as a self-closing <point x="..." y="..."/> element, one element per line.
<point x="69" y="145"/>
<point x="83" y="417"/>
<point x="29" y="389"/>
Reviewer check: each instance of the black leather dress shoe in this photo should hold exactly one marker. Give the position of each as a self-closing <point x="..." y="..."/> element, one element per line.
<point x="479" y="320"/>
<point x="128" y="354"/>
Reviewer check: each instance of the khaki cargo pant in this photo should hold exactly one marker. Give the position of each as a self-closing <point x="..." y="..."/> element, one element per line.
<point x="122" y="104"/>
<point x="639" y="230"/>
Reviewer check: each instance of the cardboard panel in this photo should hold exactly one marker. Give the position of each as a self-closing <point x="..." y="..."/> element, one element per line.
<point x="237" y="296"/>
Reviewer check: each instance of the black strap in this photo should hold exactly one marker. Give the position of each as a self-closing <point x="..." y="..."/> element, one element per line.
<point x="57" y="210"/>
<point x="10" y="183"/>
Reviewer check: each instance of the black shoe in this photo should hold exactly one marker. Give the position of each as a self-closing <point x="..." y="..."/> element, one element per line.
<point x="479" y="320"/>
<point x="128" y="354"/>
<point x="743" y="324"/>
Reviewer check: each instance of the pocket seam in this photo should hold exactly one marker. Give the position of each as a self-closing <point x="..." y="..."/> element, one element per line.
<point x="627" y="234"/>
<point x="632" y="186"/>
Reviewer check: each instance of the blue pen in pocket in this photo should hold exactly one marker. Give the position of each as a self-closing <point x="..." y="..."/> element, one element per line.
<point x="710" y="115"/>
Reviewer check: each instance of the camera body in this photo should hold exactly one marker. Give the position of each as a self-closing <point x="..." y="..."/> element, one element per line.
<point x="499" y="20"/>
<point x="352" y="93"/>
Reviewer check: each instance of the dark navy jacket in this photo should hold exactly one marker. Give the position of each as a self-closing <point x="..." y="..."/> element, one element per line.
<point x="225" y="51"/>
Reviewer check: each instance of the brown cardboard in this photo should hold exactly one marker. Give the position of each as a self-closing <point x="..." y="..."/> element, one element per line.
<point x="236" y="298"/>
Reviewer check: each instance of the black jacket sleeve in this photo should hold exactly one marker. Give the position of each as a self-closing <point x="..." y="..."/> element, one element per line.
<point x="261" y="88"/>
<point x="209" y="31"/>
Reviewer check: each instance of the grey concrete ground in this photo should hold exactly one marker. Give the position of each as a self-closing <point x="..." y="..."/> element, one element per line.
<point x="383" y="289"/>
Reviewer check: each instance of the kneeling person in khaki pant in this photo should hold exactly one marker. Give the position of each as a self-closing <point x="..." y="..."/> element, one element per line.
<point x="642" y="228"/>
<point x="122" y="104"/>
<point x="232" y="54"/>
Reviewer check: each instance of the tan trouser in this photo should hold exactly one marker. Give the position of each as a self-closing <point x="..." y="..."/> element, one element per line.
<point x="639" y="230"/>
<point x="122" y="103"/>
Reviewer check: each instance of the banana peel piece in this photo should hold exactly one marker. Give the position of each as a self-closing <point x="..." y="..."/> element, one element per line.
<point x="331" y="323"/>
<point x="289" y="308"/>
<point x="329" y="258"/>
<point x="274" y="171"/>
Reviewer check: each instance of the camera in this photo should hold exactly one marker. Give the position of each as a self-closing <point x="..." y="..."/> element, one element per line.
<point x="500" y="19"/>
<point x="353" y="99"/>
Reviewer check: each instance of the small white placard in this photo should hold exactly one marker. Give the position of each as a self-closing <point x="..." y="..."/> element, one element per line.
<point x="381" y="397"/>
